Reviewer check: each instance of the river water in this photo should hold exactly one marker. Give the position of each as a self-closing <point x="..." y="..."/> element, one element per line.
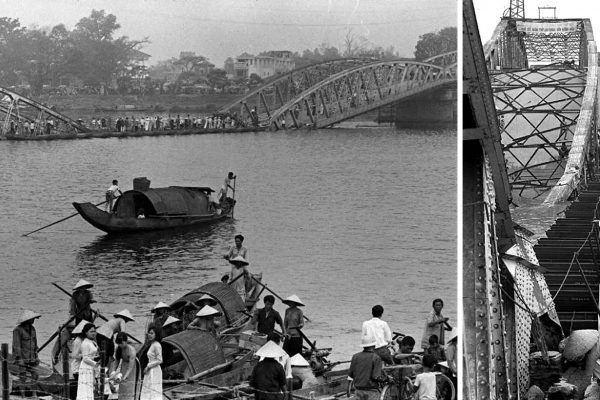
<point x="344" y="218"/>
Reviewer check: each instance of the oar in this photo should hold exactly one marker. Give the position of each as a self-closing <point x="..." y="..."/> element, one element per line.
<point x="97" y="313"/>
<point x="55" y="334"/>
<point x="274" y="294"/>
<point x="60" y="220"/>
<point x="312" y="345"/>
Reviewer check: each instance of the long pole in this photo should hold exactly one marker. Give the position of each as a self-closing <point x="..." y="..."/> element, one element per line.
<point x="5" y="388"/>
<point x="65" y="366"/>
<point x="97" y="313"/>
<point x="273" y="293"/>
<point x="233" y="209"/>
<point x="59" y="221"/>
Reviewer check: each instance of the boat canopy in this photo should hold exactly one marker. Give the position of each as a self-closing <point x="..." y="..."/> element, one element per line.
<point x="169" y="201"/>
<point x="228" y="301"/>
<point x="200" y="350"/>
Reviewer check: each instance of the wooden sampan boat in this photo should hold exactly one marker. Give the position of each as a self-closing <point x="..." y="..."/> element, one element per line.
<point x="164" y="208"/>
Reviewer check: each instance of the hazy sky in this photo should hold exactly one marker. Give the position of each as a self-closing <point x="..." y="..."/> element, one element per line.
<point x="489" y="12"/>
<point x="218" y="29"/>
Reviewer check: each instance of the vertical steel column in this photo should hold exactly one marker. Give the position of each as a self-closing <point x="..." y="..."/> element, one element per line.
<point x="475" y="300"/>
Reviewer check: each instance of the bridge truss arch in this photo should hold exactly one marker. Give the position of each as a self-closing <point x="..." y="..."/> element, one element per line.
<point x="366" y="87"/>
<point x="277" y="91"/>
<point x="16" y="110"/>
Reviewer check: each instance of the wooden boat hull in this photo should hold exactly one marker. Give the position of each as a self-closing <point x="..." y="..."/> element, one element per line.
<point x="111" y="223"/>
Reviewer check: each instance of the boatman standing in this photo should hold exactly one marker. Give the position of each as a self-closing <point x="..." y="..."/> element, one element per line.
<point x="264" y="319"/>
<point x="293" y="322"/>
<point x="111" y="194"/>
<point x="81" y="301"/>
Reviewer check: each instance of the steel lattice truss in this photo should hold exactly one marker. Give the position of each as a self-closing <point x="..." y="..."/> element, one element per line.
<point x="361" y="89"/>
<point x="15" y="110"/>
<point x="555" y="47"/>
<point x="538" y="111"/>
<point x="278" y="91"/>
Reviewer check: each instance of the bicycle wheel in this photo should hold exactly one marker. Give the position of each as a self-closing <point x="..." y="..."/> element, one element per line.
<point x="390" y="392"/>
<point x="444" y="387"/>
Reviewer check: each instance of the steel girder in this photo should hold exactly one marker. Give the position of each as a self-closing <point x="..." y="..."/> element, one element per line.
<point x="16" y="109"/>
<point x="278" y="91"/>
<point x="506" y="49"/>
<point x="361" y="89"/>
<point x="487" y="230"/>
<point x="538" y="110"/>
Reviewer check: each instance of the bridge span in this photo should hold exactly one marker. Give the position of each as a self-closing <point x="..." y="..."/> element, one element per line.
<point x="529" y="134"/>
<point x="315" y="96"/>
<point x="323" y="94"/>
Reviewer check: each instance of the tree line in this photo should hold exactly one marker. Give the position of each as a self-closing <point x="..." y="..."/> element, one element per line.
<point x="90" y="55"/>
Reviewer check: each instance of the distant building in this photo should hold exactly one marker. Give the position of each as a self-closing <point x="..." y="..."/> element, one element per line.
<point x="267" y="65"/>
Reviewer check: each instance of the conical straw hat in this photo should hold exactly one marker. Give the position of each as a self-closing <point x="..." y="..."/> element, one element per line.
<point x="293" y="299"/>
<point x="579" y="343"/>
<point x="82" y="284"/>
<point x="170" y="320"/>
<point x="207" y="311"/>
<point x="368" y="341"/>
<point x="299" y="361"/>
<point x="125" y="314"/>
<point x="208" y="298"/>
<point x="27" y="315"/>
<point x="270" y="350"/>
<point x="79" y="328"/>
<point x="239" y="261"/>
<point x="160" y="305"/>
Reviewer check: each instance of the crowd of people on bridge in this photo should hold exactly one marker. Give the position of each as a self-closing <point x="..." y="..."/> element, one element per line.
<point x="148" y="123"/>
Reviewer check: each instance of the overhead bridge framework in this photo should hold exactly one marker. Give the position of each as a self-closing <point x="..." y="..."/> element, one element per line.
<point x="543" y="74"/>
<point x="16" y="110"/>
<point x="324" y="94"/>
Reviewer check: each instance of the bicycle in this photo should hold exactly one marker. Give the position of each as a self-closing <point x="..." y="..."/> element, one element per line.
<point x="393" y="389"/>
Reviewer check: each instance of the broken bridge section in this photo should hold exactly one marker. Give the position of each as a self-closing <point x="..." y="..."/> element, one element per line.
<point x="22" y="116"/>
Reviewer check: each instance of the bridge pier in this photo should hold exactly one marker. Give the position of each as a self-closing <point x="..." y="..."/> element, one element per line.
<point x="434" y="108"/>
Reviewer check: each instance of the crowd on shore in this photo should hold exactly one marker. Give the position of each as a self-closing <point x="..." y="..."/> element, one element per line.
<point x="106" y="351"/>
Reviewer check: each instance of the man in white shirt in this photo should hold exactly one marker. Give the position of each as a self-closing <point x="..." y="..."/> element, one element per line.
<point x="379" y="330"/>
<point x="111" y="194"/>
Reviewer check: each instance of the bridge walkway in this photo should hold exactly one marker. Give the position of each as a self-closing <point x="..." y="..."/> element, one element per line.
<point x="572" y="247"/>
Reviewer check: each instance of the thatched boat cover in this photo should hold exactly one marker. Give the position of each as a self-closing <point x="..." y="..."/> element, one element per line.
<point x="200" y="349"/>
<point x="229" y="301"/>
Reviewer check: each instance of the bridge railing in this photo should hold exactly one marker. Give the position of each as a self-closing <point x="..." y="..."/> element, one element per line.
<point x="584" y="143"/>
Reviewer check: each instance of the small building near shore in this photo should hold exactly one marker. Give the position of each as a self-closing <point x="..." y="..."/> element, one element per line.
<point x="266" y="65"/>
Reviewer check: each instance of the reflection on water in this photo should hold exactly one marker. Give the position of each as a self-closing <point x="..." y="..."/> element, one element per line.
<point x="344" y="218"/>
<point x="149" y="247"/>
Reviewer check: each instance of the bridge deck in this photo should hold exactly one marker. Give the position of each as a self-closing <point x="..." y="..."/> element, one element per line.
<point x="570" y="243"/>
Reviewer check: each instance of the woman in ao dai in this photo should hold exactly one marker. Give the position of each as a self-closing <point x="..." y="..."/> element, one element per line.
<point x="152" y="383"/>
<point x="89" y="355"/>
